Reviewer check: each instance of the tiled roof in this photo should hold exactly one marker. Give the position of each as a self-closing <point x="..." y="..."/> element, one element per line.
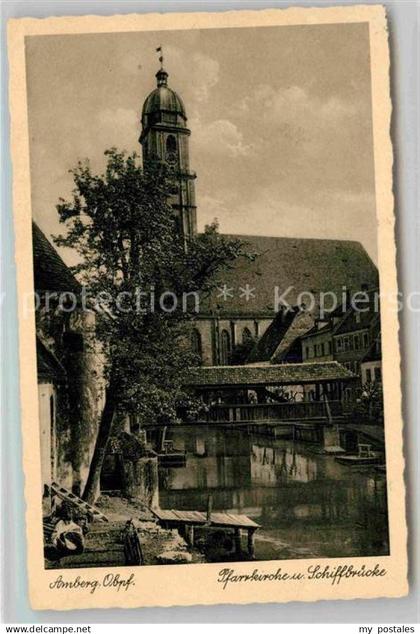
<point x="280" y="335"/>
<point x="50" y="272"/>
<point x="291" y="354"/>
<point x="358" y="319"/>
<point x="317" y="329"/>
<point x="349" y="320"/>
<point x="350" y="323"/>
<point x="299" y="326"/>
<point x="253" y="375"/>
<point x="300" y="263"/>
<point x="267" y="345"/>
<point x="48" y="366"/>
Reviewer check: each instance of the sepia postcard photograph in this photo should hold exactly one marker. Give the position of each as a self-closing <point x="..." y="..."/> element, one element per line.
<point x="209" y="360"/>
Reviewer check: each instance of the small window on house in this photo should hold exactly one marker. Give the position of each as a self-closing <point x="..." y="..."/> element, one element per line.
<point x="368" y="375"/>
<point x="322" y="350"/>
<point x="365" y="339"/>
<point x="356" y="342"/>
<point x="378" y="374"/>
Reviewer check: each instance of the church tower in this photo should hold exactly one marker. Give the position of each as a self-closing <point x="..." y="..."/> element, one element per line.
<point x="164" y="138"/>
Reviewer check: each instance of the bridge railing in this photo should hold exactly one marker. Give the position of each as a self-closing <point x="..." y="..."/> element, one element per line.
<point x="301" y="410"/>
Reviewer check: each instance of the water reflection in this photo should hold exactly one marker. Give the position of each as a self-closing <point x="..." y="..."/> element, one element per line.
<point x="308" y="504"/>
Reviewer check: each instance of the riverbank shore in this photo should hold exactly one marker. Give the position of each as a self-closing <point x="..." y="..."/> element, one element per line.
<point x="159" y="545"/>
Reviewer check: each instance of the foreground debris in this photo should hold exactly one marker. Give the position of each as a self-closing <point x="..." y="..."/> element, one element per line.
<point x="114" y="543"/>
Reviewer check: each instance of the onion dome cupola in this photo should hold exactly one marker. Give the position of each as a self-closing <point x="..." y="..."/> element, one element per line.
<point x="165" y="139"/>
<point x="163" y="105"/>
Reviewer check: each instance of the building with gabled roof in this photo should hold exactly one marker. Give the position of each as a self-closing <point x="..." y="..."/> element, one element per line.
<point x="345" y="335"/>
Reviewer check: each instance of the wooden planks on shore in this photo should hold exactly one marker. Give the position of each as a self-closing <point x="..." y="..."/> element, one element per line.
<point x="187" y="521"/>
<point x="198" y="518"/>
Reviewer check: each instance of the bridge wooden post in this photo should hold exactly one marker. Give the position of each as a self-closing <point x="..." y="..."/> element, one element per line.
<point x="251" y="543"/>
<point x="189" y="534"/>
<point x="237" y="534"/>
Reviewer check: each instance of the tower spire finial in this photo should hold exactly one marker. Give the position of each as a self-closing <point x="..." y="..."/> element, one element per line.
<point x="160" y="50"/>
<point x="161" y="75"/>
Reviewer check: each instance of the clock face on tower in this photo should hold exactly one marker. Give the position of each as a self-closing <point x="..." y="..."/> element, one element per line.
<point x="171" y="158"/>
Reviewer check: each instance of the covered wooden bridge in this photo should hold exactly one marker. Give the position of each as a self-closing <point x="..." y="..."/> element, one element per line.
<point x="272" y="393"/>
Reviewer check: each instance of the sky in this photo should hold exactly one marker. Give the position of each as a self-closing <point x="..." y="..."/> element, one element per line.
<point x="280" y="119"/>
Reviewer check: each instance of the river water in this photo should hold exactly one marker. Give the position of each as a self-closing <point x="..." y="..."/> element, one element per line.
<point x="307" y="504"/>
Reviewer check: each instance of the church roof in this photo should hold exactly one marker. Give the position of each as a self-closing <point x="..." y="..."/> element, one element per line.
<point x="295" y="265"/>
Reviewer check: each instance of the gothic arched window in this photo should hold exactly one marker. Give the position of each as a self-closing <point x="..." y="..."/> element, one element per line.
<point x="171" y="143"/>
<point x="196" y="344"/>
<point x="224" y="347"/>
<point x="246" y="335"/>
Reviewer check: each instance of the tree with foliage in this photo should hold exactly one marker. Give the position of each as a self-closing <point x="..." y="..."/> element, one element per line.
<point x="134" y="262"/>
<point x="369" y="405"/>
